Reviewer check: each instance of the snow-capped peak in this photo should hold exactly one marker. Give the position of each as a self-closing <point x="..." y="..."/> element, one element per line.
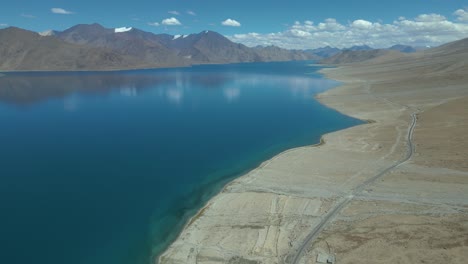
<point x="122" y="29"/>
<point x="47" y="33"/>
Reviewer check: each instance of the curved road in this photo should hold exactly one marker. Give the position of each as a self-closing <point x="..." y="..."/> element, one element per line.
<point x="345" y="200"/>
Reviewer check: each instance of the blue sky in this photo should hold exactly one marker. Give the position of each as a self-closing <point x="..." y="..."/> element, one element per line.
<point x="251" y="22"/>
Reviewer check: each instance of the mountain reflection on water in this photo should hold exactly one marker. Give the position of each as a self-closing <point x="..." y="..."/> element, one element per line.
<point x="30" y="88"/>
<point x="25" y="88"/>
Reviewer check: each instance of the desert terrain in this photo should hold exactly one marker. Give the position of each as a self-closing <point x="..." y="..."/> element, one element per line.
<point x="394" y="190"/>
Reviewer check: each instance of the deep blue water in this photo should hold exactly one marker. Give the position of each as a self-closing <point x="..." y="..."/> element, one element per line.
<point x="100" y="168"/>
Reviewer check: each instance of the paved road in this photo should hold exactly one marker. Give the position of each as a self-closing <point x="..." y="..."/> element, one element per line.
<point x="346" y="200"/>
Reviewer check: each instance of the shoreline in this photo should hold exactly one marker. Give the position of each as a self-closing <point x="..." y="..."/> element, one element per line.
<point x="266" y="216"/>
<point x="97" y="70"/>
<point x="144" y="68"/>
<point x="200" y="212"/>
<point x="322" y="141"/>
<point x="231" y="179"/>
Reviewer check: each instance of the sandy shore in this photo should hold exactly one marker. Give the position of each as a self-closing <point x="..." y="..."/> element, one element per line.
<point x="416" y="212"/>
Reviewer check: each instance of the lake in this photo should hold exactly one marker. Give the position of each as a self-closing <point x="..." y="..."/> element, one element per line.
<point x="106" y="167"/>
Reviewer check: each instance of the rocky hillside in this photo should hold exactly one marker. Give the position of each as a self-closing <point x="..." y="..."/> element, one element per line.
<point x="143" y="46"/>
<point x="93" y="47"/>
<point x="26" y="50"/>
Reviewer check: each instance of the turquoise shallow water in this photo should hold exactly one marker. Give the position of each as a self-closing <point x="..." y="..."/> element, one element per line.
<point x="107" y="167"/>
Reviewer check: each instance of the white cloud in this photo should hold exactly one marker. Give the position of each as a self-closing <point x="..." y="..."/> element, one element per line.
<point x="154" y="24"/>
<point x="361" y="24"/>
<point x="230" y="23"/>
<point x="58" y="10"/>
<point x="429" y="18"/>
<point x="190" y="12"/>
<point x="171" y="22"/>
<point x="299" y="33"/>
<point x="3" y="25"/>
<point x="423" y="30"/>
<point x="462" y="15"/>
<point x="330" y="24"/>
<point x="176" y="13"/>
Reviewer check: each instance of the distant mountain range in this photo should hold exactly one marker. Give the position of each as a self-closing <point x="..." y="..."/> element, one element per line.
<point x="93" y="47"/>
<point x="327" y="52"/>
<point x="393" y="53"/>
<point x="357" y="48"/>
<point x="365" y="53"/>
<point x="447" y="61"/>
<point x="403" y="48"/>
<point x="324" y="52"/>
<point x="352" y="56"/>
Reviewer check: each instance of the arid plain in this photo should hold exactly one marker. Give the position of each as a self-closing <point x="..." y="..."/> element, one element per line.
<point x="394" y="190"/>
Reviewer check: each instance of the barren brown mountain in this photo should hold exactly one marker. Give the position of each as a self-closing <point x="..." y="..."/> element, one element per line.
<point x="143" y="46"/>
<point x="26" y="50"/>
<point x="93" y="47"/>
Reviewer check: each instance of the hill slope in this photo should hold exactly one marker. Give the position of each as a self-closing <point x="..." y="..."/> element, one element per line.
<point x="26" y="50"/>
<point x="93" y="47"/>
<point x="141" y="45"/>
<point x="210" y="47"/>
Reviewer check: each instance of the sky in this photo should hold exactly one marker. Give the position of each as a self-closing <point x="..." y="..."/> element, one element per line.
<point x="294" y="24"/>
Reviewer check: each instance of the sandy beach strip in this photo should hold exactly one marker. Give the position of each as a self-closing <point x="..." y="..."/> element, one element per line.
<point x="416" y="212"/>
